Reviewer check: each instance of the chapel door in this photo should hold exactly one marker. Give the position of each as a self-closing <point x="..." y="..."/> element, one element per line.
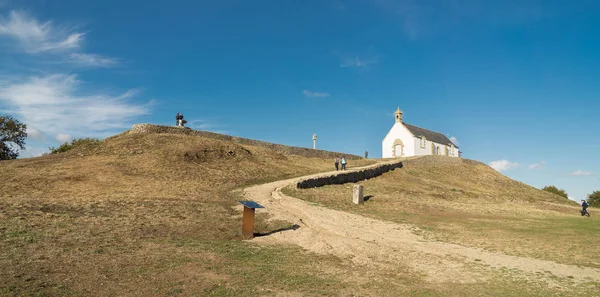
<point x="398" y="150"/>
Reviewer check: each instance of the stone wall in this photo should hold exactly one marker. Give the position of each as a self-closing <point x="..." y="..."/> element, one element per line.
<point x="291" y="150"/>
<point x="347" y="177"/>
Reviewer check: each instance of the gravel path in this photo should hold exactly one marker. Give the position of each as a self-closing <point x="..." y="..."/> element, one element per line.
<point x="379" y="244"/>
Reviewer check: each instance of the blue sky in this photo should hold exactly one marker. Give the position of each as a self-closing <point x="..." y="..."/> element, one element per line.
<point x="515" y="82"/>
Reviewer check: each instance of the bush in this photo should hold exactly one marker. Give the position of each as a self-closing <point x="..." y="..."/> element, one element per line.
<point x="594" y="199"/>
<point x="75" y="143"/>
<point x="555" y="190"/>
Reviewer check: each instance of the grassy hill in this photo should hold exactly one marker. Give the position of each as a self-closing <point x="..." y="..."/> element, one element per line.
<point x="144" y="213"/>
<point x="153" y="212"/>
<point x="468" y="203"/>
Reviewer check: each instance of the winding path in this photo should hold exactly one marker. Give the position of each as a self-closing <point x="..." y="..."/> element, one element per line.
<point x="378" y="243"/>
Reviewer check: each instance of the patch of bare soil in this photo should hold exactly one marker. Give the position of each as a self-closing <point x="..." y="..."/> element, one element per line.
<point x="380" y="244"/>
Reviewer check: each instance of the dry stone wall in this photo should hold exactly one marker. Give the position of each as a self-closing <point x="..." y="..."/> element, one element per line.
<point x="291" y="150"/>
<point x="347" y="177"/>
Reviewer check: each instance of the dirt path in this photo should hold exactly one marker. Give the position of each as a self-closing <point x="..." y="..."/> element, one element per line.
<point x="377" y="243"/>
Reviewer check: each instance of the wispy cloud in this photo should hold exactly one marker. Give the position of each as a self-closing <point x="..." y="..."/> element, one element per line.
<point x="311" y="94"/>
<point x="338" y="4"/>
<point x="503" y="165"/>
<point x="539" y="165"/>
<point x="454" y="140"/>
<point x="55" y="104"/>
<point x="358" y="59"/>
<point x="31" y="151"/>
<point x="206" y="125"/>
<point x="582" y="173"/>
<point x="61" y="137"/>
<point x="35" y="37"/>
<point x="35" y="133"/>
<point x="420" y="17"/>
<point x="353" y="62"/>
<point x="61" y="44"/>
<point x="92" y="60"/>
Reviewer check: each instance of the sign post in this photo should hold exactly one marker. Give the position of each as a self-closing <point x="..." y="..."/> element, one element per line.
<point x="248" y="218"/>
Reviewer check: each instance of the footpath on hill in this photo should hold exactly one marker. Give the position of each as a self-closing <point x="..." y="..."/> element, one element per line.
<point x="380" y="244"/>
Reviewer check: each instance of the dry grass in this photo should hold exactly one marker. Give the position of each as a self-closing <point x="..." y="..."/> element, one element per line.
<point x="155" y="215"/>
<point x="468" y="203"/>
<point x="145" y="215"/>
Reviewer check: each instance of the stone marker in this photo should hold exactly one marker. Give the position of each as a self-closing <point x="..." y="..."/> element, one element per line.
<point x="357" y="194"/>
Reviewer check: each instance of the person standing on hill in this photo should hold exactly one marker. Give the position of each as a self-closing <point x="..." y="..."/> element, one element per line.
<point x="584" y="207"/>
<point x="337" y="163"/>
<point x="366" y="154"/>
<point x="343" y="163"/>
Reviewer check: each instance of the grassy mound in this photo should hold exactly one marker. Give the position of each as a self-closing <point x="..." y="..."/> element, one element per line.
<point x="148" y="214"/>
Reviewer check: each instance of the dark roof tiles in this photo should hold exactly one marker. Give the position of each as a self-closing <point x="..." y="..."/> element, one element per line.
<point x="429" y="135"/>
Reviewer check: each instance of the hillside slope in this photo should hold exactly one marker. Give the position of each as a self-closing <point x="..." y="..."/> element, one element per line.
<point x="178" y="165"/>
<point x="468" y="203"/>
<point x="143" y="213"/>
<point x="153" y="213"/>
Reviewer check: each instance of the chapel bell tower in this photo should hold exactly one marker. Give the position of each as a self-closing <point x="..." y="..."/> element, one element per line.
<point x="398" y="115"/>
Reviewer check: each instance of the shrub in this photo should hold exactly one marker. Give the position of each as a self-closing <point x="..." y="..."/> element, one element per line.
<point x="555" y="190"/>
<point x="594" y="199"/>
<point x="75" y="143"/>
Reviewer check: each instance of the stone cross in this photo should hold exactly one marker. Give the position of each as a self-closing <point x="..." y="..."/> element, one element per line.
<point x="315" y="141"/>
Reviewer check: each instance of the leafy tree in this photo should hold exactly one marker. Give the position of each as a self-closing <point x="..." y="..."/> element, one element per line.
<point x="555" y="190"/>
<point x="74" y="144"/>
<point x="12" y="137"/>
<point x="594" y="199"/>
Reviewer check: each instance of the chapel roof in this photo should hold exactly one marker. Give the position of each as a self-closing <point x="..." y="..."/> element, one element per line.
<point x="429" y="135"/>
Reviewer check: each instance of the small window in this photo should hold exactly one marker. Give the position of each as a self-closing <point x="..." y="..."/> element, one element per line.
<point x="423" y="141"/>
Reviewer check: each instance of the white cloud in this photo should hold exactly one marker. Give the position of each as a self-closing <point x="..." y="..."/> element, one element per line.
<point x="537" y="165"/>
<point x="35" y="133"/>
<point x="35" y="37"/>
<point x="454" y="140"/>
<point x="62" y="138"/>
<point x="92" y="60"/>
<point x="55" y="103"/>
<point x="311" y="94"/>
<point x="582" y="173"/>
<point x="503" y="165"/>
<point x="31" y="152"/>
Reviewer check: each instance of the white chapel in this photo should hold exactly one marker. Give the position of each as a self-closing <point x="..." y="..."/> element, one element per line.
<point x="406" y="140"/>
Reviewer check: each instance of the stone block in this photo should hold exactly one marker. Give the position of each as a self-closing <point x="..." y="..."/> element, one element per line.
<point x="358" y="194"/>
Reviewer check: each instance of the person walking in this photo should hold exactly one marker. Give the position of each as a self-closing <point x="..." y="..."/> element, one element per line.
<point x="584" y="207"/>
<point x="343" y="163"/>
<point x="337" y="163"/>
<point x="366" y="154"/>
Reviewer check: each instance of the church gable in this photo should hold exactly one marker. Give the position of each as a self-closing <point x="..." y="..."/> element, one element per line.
<point x="405" y="140"/>
<point x="429" y="135"/>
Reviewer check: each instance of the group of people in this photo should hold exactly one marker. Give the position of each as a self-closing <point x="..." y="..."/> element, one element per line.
<point x="179" y="121"/>
<point x="338" y="162"/>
